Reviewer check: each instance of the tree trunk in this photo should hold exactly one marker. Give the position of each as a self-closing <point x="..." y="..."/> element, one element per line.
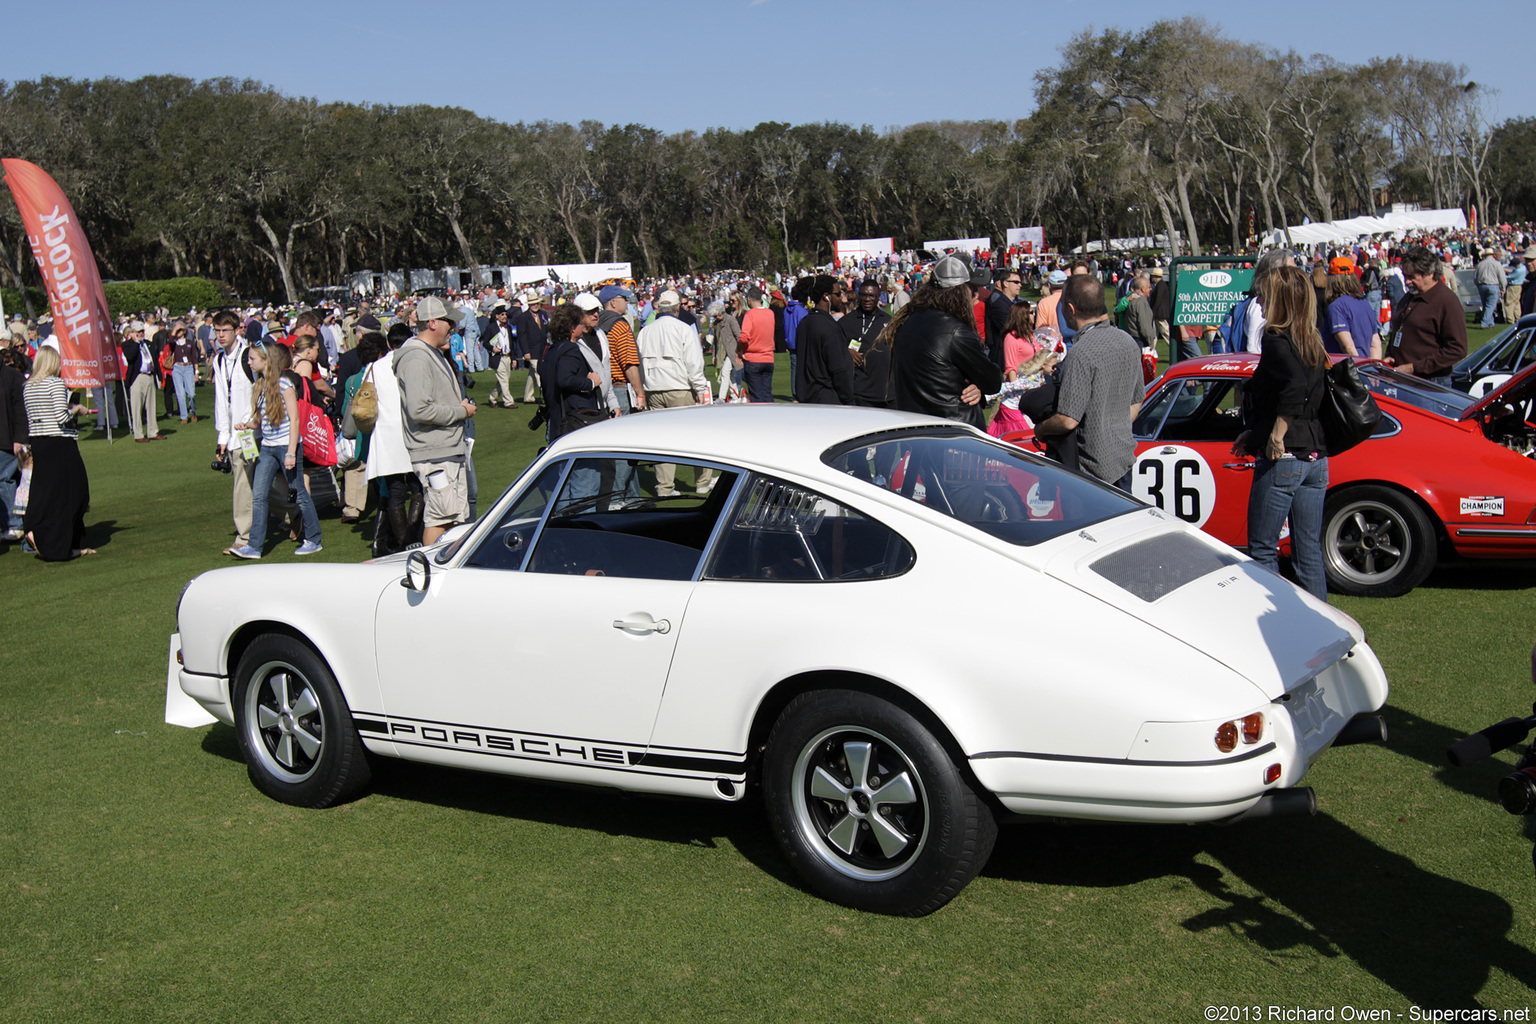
<point x="275" y="250"/>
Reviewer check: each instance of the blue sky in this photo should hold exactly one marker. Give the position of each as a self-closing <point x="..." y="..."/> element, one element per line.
<point x="680" y="64"/>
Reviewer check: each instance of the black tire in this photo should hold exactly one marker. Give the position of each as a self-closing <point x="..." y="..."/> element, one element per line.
<point x="295" y="729"/>
<point x="1377" y="542"/>
<point x="832" y="756"/>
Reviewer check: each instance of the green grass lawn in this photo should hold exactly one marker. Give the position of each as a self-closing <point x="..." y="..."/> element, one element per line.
<point x="145" y="879"/>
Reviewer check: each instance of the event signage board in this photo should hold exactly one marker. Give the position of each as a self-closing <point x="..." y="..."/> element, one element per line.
<point x="863" y="248"/>
<point x="1029" y="239"/>
<point x="81" y="321"/>
<point x="1202" y="297"/>
<point x="962" y="244"/>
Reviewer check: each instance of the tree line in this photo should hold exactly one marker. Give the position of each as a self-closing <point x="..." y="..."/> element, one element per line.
<point x="1173" y="128"/>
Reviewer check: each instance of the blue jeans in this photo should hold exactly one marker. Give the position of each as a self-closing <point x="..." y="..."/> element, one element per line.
<point x="1294" y="488"/>
<point x="268" y="465"/>
<point x="759" y="382"/>
<point x="10" y="477"/>
<point x="184" y="379"/>
<point x="1490" y="294"/>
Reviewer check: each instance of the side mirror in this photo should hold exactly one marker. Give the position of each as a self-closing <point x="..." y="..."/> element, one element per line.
<point x="418" y="573"/>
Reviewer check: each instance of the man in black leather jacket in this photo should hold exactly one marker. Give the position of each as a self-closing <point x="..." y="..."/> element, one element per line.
<point x="938" y="363"/>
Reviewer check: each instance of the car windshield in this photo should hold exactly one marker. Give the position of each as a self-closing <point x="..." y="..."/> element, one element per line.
<point x="999" y="489"/>
<point x="1415" y="391"/>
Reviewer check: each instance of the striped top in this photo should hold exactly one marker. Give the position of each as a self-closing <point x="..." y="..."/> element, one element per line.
<point x="273" y="436"/>
<point x="621" y="350"/>
<point x="47" y="400"/>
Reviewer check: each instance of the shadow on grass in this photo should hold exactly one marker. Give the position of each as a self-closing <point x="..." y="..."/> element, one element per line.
<point x="1476" y="575"/>
<point x="1320" y="886"/>
<point x="99" y="534"/>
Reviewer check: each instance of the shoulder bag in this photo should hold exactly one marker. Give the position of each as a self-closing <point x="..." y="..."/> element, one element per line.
<point x="1349" y="414"/>
<point x="364" y="409"/>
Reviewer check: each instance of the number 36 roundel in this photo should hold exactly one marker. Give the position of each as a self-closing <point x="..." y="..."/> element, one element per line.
<point x="1177" y="480"/>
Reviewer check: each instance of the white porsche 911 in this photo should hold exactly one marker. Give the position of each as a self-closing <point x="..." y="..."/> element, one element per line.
<point x="901" y="630"/>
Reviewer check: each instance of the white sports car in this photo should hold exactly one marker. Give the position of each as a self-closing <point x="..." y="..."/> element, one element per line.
<point x="898" y="628"/>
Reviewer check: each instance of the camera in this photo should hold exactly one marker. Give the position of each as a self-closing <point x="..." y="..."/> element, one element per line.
<point x="538" y="419"/>
<point x="220" y="463"/>
<point x="1517" y="790"/>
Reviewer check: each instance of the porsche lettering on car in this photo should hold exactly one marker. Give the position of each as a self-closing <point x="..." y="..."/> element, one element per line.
<point x="834" y="624"/>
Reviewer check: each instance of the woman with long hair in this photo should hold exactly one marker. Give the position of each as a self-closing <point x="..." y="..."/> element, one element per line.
<point x="1290" y="478"/>
<point x="275" y="410"/>
<point x="61" y="493"/>
<point x="1019" y="348"/>
<point x="938" y="365"/>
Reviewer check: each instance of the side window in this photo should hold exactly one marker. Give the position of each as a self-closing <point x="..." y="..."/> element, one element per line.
<point x="636" y="518"/>
<point x="1513" y="354"/>
<point x="1154" y="410"/>
<point x="783" y="532"/>
<point x="506" y="545"/>
<point x="1206" y="410"/>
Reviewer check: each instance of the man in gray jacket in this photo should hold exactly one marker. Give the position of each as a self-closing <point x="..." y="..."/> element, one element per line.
<point x="433" y="411"/>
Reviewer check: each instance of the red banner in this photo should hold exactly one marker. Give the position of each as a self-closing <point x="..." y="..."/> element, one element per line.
<point x="81" y="322"/>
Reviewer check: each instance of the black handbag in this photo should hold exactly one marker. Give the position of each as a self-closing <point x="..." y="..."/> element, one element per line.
<point x="1349" y="414"/>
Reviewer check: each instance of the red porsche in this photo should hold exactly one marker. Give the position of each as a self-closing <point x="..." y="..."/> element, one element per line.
<point x="1445" y="473"/>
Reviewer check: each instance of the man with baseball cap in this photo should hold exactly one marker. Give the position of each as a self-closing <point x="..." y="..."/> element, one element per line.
<point x="434" y="410"/>
<point x="1046" y="311"/>
<point x="623" y="356"/>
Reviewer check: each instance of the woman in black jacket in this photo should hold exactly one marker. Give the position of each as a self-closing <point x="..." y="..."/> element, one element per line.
<point x="1290" y="478"/>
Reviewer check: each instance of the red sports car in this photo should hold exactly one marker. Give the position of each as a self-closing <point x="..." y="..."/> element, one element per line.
<point x="1443" y="472"/>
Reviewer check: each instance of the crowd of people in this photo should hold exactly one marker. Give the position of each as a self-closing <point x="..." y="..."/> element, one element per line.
<point x="380" y="390"/>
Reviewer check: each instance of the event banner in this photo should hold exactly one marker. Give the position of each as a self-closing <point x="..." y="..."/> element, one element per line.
<point x="863" y="248"/>
<point x="1202" y="297"/>
<point x="81" y="322"/>
<point x="961" y="244"/>
<point x="1030" y="239"/>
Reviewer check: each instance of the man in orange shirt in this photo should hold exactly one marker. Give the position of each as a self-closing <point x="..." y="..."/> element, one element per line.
<point x="756" y="347"/>
<point x="1045" y="312"/>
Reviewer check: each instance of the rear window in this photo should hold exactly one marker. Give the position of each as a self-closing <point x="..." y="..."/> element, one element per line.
<point x="998" y="489"/>
<point x="1420" y="394"/>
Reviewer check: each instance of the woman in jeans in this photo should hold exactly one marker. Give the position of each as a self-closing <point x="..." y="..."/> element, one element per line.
<point x="275" y="406"/>
<point x="1283" y="433"/>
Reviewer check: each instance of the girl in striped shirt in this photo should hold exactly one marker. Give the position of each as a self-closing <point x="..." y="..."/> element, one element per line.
<point x="275" y="408"/>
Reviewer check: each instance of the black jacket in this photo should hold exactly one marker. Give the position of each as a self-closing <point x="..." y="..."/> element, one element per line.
<point x="13" y="409"/>
<point x="131" y="356"/>
<point x="998" y="310"/>
<point x="824" y="367"/>
<point x="531" y="333"/>
<point x="933" y="358"/>
<point x="872" y="381"/>
<point x="566" y="385"/>
<point x="1283" y="385"/>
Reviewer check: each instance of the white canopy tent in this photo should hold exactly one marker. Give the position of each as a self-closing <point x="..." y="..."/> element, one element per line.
<point x="1394" y="224"/>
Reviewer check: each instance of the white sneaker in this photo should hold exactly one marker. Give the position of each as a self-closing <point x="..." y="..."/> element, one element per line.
<point x="308" y="549"/>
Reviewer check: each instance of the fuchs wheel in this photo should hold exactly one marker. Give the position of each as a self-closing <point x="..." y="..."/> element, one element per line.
<point x="1377" y="542"/>
<point x="869" y="807"/>
<point x="295" y="728"/>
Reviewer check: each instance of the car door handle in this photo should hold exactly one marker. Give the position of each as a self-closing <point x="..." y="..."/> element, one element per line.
<point x="1238" y="465"/>
<point x="643" y="625"/>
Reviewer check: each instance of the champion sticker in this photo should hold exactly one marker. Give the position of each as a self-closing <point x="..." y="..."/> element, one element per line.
<point x="1482" y="506"/>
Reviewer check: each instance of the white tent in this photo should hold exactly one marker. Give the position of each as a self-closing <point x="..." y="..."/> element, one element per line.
<point x="1395" y="224"/>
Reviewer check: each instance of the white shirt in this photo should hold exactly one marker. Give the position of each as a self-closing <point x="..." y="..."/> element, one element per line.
<point x="1253" y="329"/>
<point x="671" y="358"/>
<point x="231" y="391"/>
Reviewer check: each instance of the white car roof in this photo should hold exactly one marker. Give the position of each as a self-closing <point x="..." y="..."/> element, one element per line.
<point x="779" y="435"/>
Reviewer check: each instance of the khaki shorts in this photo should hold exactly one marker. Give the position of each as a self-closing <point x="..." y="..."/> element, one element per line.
<point x="447" y="505"/>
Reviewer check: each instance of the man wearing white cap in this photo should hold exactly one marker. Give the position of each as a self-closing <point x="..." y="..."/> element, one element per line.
<point x="434" y="410"/>
<point x="672" y="367"/>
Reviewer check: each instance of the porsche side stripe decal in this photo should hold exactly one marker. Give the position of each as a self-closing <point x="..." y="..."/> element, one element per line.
<point x="540" y="747"/>
<point x="1256" y="752"/>
<point x="627" y="770"/>
<point x="650" y="759"/>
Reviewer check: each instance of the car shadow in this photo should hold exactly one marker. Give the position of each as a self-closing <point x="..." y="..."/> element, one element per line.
<point x="1475" y="575"/>
<point x="1315" y="885"/>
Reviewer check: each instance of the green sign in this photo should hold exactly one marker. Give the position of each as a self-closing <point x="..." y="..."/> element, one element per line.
<point x="1202" y="297"/>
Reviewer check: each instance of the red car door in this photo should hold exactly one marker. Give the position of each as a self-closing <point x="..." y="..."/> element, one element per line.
<point x="1184" y="461"/>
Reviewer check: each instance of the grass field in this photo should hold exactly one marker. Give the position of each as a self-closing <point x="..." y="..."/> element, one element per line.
<point x="146" y="880"/>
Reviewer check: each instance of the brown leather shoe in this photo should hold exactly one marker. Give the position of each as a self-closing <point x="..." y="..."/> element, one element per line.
<point x="141" y="440"/>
